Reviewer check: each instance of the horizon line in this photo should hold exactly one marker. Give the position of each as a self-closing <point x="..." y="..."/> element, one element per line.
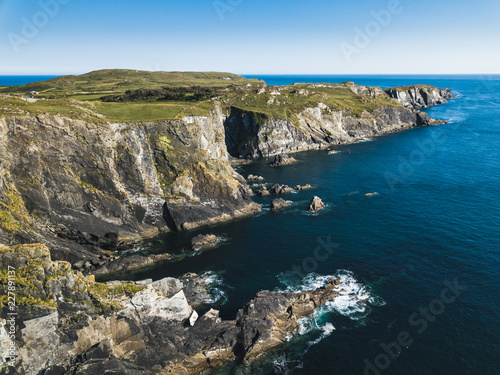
<point x="250" y="74"/>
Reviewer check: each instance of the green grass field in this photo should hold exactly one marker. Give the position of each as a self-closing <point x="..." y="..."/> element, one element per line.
<point x="82" y="97"/>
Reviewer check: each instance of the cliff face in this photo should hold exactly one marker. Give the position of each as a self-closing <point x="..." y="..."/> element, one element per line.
<point x="250" y="133"/>
<point x="77" y="186"/>
<point x="420" y="96"/>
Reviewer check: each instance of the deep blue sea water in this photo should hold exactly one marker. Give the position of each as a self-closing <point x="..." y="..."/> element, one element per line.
<point x="436" y="218"/>
<point x="22" y="80"/>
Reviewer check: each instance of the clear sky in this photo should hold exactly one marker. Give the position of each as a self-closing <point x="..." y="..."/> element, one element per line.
<point x="251" y="36"/>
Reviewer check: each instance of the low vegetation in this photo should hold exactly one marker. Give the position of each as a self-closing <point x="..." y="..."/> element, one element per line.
<point x="129" y="96"/>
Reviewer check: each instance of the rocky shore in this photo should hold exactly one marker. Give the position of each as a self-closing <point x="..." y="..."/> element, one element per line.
<point x="67" y="323"/>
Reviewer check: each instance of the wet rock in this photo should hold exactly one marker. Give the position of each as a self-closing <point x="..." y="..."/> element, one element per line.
<point x="281" y="160"/>
<point x="203" y="242"/>
<point x="279" y="204"/>
<point x="316" y="205"/>
<point x="278" y="189"/>
<point x="263" y="191"/>
<point x="303" y="187"/>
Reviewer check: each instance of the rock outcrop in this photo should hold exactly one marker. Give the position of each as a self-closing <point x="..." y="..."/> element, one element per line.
<point x="420" y="96"/>
<point x="203" y="242"/>
<point x="278" y="189"/>
<point x="281" y="160"/>
<point x="316" y="205"/>
<point x="68" y="324"/>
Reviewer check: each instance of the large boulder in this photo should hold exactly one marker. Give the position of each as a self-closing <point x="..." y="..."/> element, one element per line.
<point x="283" y="159"/>
<point x="278" y="189"/>
<point x="203" y="242"/>
<point x="263" y="191"/>
<point x="316" y="205"/>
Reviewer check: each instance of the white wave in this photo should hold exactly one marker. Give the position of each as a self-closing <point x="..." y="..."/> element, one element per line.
<point x="353" y="300"/>
<point x="284" y="366"/>
<point x="137" y="249"/>
<point x="215" y="288"/>
<point x="364" y="140"/>
<point x="327" y="330"/>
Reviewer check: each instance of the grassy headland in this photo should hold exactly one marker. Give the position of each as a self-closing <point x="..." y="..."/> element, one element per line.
<point x="130" y="95"/>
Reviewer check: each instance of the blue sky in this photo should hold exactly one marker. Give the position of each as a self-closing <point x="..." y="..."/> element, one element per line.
<point x="251" y="37"/>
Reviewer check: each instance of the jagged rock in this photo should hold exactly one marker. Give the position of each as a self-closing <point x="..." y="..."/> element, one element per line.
<point x="203" y="242"/>
<point x="251" y="177"/>
<point x="316" y="205"/>
<point x="263" y="191"/>
<point x="195" y="289"/>
<point x="281" y="160"/>
<point x="279" y="204"/>
<point x="278" y="189"/>
<point x="303" y="187"/>
<point x="420" y="96"/>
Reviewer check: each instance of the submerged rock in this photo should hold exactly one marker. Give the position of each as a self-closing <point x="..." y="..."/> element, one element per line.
<point x="316" y="205"/>
<point x="303" y="187"/>
<point x="279" y="204"/>
<point x="203" y="242"/>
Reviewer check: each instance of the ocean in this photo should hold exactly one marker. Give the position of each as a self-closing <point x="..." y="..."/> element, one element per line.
<point x="423" y="253"/>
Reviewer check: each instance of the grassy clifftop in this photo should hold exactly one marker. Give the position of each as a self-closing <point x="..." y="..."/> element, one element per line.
<point x="115" y="81"/>
<point x="130" y="95"/>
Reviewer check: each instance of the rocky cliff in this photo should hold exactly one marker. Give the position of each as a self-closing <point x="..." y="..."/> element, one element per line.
<point x="88" y="187"/>
<point x="420" y="96"/>
<point x="367" y="112"/>
<point x="80" y="186"/>
<point x="66" y="323"/>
